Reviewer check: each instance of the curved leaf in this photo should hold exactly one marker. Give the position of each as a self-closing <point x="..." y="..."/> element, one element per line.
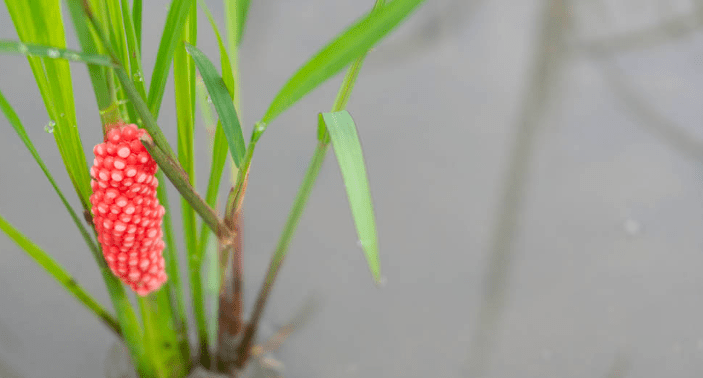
<point x="345" y="142"/>
<point x="339" y="53"/>
<point x="222" y="100"/>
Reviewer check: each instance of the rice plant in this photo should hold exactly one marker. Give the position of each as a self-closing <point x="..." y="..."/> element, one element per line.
<point x="125" y="218"/>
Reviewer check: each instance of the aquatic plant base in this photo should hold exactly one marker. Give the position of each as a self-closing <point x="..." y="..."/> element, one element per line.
<point x="261" y="365"/>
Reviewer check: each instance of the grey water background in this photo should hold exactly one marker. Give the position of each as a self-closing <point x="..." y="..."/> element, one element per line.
<point x="535" y="168"/>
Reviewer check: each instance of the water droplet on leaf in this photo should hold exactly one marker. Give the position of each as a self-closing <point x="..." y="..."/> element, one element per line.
<point x="138" y="77"/>
<point x="53" y="53"/>
<point x="23" y="49"/>
<point x="49" y="127"/>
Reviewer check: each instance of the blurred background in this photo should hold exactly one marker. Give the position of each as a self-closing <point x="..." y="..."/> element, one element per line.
<point x="535" y="167"/>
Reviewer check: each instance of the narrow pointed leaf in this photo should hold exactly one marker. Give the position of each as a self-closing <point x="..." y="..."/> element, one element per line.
<point x="222" y="100"/>
<point x="90" y="44"/>
<point x="173" y="29"/>
<point x="58" y="273"/>
<point x="137" y="21"/>
<point x="347" y="148"/>
<point x="339" y="53"/>
<point x="219" y="143"/>
<point x="19" y="48"/>
<point x="20" y="130"/>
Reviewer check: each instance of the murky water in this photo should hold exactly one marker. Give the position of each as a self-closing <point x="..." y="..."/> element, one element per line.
<point x="535" y="167"/>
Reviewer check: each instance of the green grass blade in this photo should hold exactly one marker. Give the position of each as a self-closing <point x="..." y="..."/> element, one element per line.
<point x="20" y="130"/>
<point x="347" y="147"/>
<point x="40" y="22"/>
<point x="219" y="157"/>
<point x="339" y="53"/>
<point x="184" y="78"/>
<point x="170" y="343"/>
<point x="116" y="27"/>
<point x="116" y="30"/>
<point x="90" y="44"/>
<point x="161" y="341"/>
<point x="170" y="38"/>
<point x="131" y="329"/>
<point x="137" y="21"/>
<point x="236" y="12"/>
<point x="225" y="64"/>
<point x="163" y="314"/>
<point x="219" y="145"/>
<point x="29" y="49"/>
<point x="59" y="274"/>
<point x="211" y="285"/>
<point x="222" y="100"/>
<point x="133" y="49"/>
<point x="173" y="285"/>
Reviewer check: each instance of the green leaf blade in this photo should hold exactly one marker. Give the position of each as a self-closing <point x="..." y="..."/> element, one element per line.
<point x="340" y="52"/>
<point x="222" y="100"/>
<point x="30" y="49"/>
<point x="40" y="22"/>
<point x="59" y="274"/>
<point x="347" y="148"/>
<point x="175" y="21"/>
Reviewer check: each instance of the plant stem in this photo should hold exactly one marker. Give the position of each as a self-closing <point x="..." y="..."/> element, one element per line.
<point x="150" y="334"/>
<point x="298" y="207"/>
<point x="173" y="285"/>
<point x="288" y="230"/>
<point x="128" y="86"/>
<point x="175" y="174"/>
<point x="166" y="158"/>
<point x="231" y="299"/>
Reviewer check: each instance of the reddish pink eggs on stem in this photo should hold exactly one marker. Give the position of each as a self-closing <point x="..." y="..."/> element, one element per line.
<point x="126" y="213"/>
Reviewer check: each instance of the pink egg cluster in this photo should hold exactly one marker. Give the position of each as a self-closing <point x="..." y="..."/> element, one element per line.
<point x="126" y="213"/>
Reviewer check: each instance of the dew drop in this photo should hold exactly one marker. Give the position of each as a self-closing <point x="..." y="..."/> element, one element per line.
<point x="138" y="77"/>
<point x="260" y="127"/>
<point x="53" y="53"/>
<point x="23" y="49"/>
<point x="49" y="127"/>
<point x="209" y="100"/>
<point x="71" y="56"/>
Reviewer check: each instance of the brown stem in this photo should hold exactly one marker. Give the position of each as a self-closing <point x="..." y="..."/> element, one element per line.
<point x="244" y="348"/>
<point x="237" y="273"/>
<point x="230" y="308"/>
